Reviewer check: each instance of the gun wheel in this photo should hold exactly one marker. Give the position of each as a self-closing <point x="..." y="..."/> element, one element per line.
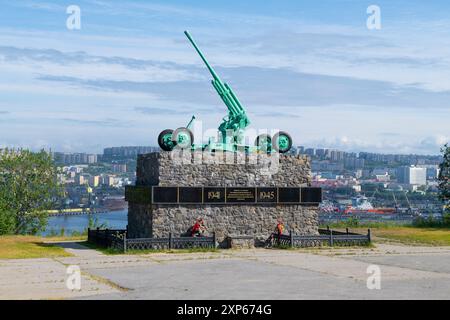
<point x="183" y="138"/>
<point x="165" y="140"/>
<point x="264" y="142"/>
<point x="282" y="142"/>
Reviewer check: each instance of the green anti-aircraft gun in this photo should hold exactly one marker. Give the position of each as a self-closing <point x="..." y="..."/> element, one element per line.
<point x="231" y="130"/>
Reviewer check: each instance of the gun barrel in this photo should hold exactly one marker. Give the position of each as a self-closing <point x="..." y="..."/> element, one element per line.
<point x="236" y="110"/>
<point x="226" y="98"/>
<point x="211" y="70"/>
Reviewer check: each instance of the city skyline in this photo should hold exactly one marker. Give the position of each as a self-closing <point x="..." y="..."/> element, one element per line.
<point x="315" y="71"/>
<point x="297" y="149"/>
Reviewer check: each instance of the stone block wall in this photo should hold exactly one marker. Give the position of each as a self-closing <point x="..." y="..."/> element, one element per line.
<point x="222" y="169"/>
<point x="232" y="169"/>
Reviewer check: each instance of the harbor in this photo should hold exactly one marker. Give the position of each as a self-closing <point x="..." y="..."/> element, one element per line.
<point x="71" y="223"/>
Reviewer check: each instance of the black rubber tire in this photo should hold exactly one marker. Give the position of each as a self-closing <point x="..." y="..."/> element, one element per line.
<point x="275" y="141"/>
<point x="177" y="132"/>
<point x="161" y="143"/>
<point x="264" y="136"/>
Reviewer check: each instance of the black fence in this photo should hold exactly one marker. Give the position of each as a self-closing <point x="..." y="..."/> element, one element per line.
<point x="117" y="239"/>
<point x="325" y="237"/>
<point x="107" y="238"/>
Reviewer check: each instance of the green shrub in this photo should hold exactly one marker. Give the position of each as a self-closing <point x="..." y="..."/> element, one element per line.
<point x="446" y="219"/>
<point x="353" y="222"/>
<point x="7" y="222"/>
<point x="432" y="222"/>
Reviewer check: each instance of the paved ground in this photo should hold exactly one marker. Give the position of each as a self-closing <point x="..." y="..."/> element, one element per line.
<point x="406" y="273"/>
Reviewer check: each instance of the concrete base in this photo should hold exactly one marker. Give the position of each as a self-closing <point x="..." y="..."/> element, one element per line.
<point x="240" y="242"/>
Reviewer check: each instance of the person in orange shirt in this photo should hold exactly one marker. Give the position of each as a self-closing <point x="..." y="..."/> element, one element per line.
<point x="279" y="230"/>
<point x="280" y="227"/>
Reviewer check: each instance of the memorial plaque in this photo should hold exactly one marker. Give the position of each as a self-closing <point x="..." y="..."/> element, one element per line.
<point x="311" y="195"/>
<point x="213" y="195"/>
<point x="138" y="194"/>
<point x="289" y="195"/>
<point x="245" y="195"/>
<point x="240" y="195"/>
<point x="190" y="195"/>
<point x="165" y="194"/>
<point x="267" y="194"/>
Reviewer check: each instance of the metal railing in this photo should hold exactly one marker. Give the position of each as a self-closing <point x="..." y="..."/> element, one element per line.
<point x="117" y="239"/>
<point x="106" y="237"/>
<point x="325" y="237"/>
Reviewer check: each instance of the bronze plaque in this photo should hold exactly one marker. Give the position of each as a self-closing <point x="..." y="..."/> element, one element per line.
<point x="214" y="195"/>
<point x="241" y="195"/>
<point x="267" y="194"/>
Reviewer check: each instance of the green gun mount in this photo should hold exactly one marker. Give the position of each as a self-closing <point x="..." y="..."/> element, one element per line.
<point x="231" y="130"/>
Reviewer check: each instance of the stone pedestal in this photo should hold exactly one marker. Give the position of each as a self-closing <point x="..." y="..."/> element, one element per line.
<point x="222" y="170"/>
<point x="240" y="242"/>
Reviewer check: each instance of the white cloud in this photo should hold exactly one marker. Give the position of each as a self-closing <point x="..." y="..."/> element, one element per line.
<point x="325" y="83"/>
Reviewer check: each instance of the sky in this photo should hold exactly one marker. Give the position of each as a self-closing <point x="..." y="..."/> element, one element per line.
<point x="313" y="69"/>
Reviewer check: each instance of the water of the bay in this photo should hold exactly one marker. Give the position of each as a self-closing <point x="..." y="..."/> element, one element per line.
<point x="78" y="223"/>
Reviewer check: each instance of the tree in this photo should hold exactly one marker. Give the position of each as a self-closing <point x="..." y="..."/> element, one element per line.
<point x="444" y="176"/>
<point x="6" y="222"/>
<point x="28" y="187"/>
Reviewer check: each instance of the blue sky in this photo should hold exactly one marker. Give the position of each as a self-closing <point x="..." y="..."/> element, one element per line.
<point x="308" y="67"/>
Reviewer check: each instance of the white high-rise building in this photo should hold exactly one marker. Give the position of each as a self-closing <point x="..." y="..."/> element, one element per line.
<point x="412" y="175"/>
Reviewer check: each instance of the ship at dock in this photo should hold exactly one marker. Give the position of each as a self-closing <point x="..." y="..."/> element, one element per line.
<point x="362" y="205"/>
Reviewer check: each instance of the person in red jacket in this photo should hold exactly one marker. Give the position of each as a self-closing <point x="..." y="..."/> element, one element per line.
<point x="195" y="228"/>
<point x="198" y="228"/>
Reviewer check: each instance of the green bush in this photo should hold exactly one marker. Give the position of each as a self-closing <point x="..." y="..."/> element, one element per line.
<point x="431" y="222"/>
<point x="446" y="219"/>
<point x="353" y="222"/>
<point x="7" y="222"/>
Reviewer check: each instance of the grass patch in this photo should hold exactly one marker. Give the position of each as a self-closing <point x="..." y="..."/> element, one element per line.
<point x="27" y="247"/>
<point x="420" y="222"/>
<point x="438" y="235"/>
<point x="410" y="234"/>
<point x="431" y="236"/>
